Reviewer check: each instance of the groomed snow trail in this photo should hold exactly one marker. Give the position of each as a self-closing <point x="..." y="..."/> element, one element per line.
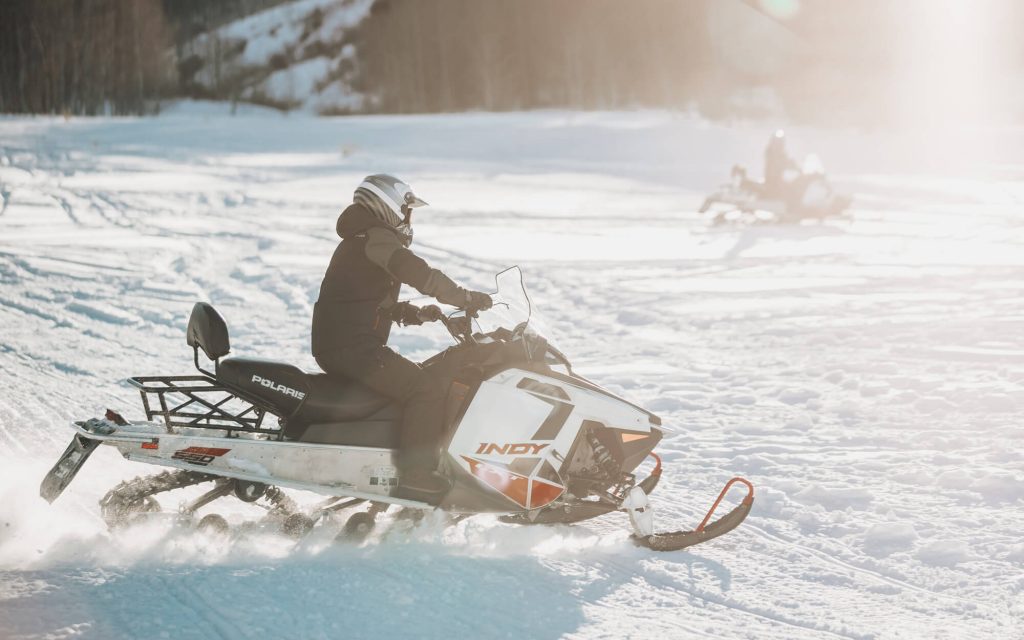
<point x="867" y="374"/>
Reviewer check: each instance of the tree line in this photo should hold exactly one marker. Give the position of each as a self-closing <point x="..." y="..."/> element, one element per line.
<point x="119" y="56"/>
<point x="82" y="56"/>
<point x="822" y="61"/>
<point x="101" y="56"/>
<point x="453" y="55"/>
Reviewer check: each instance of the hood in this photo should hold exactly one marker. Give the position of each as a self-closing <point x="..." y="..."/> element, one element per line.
<point x="356" y="219"/>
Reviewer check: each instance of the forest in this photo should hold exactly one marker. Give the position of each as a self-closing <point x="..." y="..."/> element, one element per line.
<point x="812" y="59"/>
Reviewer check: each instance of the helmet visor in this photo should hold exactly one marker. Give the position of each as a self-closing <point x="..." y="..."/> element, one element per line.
<point x="410" y="200"/>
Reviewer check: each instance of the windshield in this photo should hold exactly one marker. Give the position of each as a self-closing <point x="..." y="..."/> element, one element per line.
<point x="512" y="306"/>
<point x="513" y="312"/>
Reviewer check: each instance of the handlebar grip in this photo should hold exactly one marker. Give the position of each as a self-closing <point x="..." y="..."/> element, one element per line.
<point x="461" y="324"/>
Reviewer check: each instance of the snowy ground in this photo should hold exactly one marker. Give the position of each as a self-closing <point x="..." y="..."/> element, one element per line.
<point x="867" y="374"/>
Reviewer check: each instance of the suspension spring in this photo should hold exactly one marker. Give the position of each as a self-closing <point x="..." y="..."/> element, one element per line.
<point x="280" y="502"/>
<point x="603" y="457"/>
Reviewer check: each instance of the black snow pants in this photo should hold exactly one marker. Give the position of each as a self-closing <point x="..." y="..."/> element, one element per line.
<point x="421" y="394"/>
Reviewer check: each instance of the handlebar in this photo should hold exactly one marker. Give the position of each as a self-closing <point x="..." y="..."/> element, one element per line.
<point x="461" y="327"/>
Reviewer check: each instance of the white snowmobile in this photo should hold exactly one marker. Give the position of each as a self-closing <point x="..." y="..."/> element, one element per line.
<point x="808" y="195"/>
<point x="528" y="438"/>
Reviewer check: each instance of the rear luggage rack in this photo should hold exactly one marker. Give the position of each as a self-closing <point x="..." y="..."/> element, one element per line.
<point x="200" y="402"/>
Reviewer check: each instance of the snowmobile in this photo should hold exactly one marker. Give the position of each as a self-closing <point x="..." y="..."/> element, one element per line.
<point x="807" y="195"/>
<point x="528" y="438"/>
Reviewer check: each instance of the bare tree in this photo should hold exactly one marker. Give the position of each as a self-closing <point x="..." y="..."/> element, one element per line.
<point x="82" y="56"/>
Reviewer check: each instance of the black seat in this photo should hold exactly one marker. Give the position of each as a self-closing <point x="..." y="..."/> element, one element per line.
<point x="334" y="399"/>
<point x="280" y="387"/>
<point x="301" y="396"/>
<point x="316" y="407"/>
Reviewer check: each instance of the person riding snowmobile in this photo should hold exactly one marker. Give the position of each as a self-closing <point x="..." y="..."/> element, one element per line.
<point x="776" y="163"/>
<point x="358" y="303"/>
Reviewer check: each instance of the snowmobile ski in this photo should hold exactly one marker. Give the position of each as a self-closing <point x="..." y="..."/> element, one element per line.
<point x="677" y="540"/>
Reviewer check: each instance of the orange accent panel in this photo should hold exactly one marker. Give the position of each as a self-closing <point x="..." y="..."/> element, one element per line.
<point x="630" y="437"/>
<point x="543" y="493"/>
<point x="512" y="485"/>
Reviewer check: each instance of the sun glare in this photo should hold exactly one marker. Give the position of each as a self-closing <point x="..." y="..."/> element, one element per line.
<point x="948" y="63"/>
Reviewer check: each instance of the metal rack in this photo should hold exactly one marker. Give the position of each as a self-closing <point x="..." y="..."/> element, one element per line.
<point x="199" y="401"/>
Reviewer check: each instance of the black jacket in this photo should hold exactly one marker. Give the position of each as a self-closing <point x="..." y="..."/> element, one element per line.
<point x="360" y="290"/>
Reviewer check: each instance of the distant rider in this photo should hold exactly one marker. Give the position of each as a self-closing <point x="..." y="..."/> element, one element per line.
<point x="776" y="163"/>
<point x="359" y="301"/>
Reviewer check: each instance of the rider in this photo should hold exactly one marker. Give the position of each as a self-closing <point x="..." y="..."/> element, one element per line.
<point x="776" y="163"/>
<point x="359" y="301"/>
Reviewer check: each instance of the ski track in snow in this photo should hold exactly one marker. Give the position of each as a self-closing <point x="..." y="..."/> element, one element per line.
<point x="867" y="374"/>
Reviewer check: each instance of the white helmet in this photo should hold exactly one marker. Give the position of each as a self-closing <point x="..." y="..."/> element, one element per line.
<point x="390" y="199"/>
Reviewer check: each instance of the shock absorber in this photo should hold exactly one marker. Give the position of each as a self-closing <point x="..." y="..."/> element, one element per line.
<point x="603" y="457"/>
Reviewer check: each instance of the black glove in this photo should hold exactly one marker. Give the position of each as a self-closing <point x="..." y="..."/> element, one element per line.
<point x="477" y="301"/>
<point x="405" y="314"/>
<point x="429" y="313"/>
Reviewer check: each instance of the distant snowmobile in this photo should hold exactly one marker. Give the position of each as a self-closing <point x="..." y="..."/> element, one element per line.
<point x="528" y="438"/>
<point x="805" y="195"/>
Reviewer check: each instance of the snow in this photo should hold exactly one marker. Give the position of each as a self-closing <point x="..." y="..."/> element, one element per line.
<point x="944" y="553"/>
<point x="866" y="373"/>
<point x="271" y="31"/>
<point x="885" y="538"/>
<point x="297" y="81"/>
<point x="275" y="60"/>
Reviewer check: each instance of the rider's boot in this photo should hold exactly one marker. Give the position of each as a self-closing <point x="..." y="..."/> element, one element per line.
<point x="423" y="481"/>
<point x="418" y="478"/>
